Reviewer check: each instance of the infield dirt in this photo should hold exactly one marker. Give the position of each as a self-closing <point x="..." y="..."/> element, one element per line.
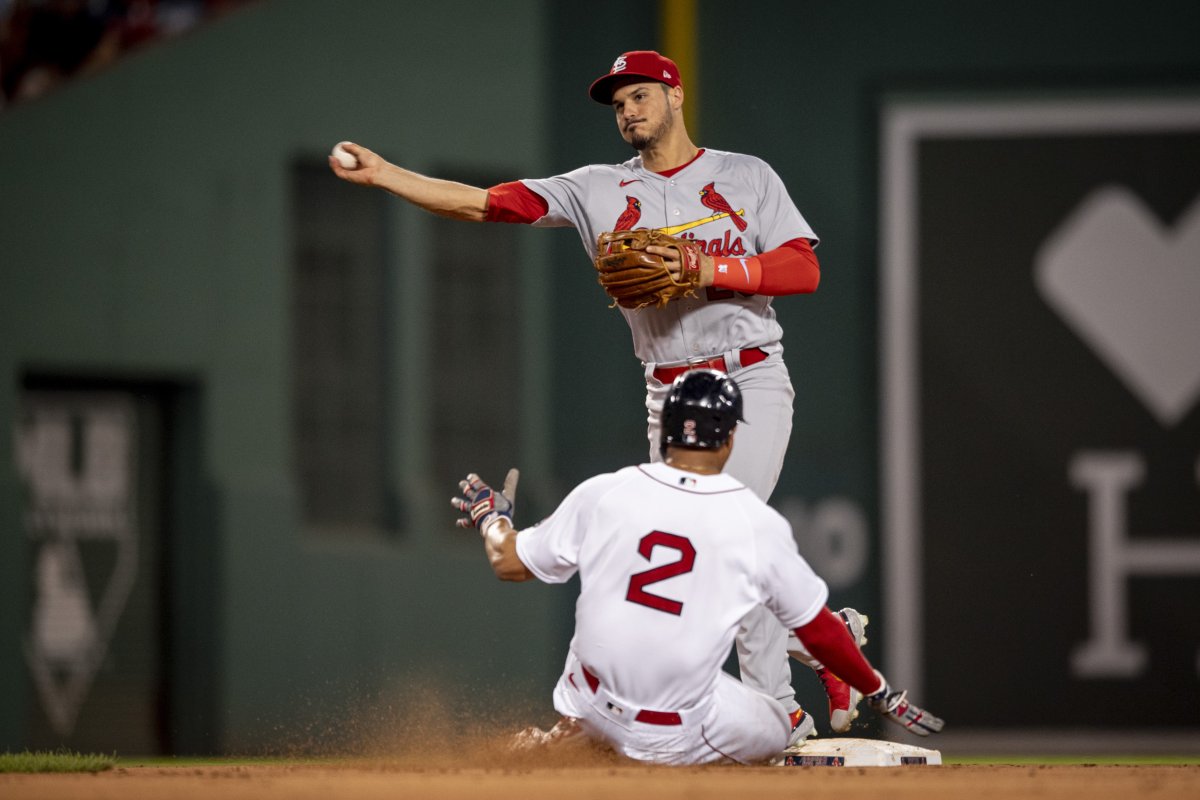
<point x="472" y="780"/>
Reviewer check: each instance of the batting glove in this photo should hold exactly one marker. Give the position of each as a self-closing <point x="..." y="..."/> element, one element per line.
<point x="482" y="504"/>
<point x="894" y="705"/>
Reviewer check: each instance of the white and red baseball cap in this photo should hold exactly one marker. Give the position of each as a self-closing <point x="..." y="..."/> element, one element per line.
<point x="634" y="64"/>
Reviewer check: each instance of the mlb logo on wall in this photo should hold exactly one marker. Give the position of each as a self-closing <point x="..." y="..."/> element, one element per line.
<point x="1040" y="356"/>
<point x="76" y="456"/>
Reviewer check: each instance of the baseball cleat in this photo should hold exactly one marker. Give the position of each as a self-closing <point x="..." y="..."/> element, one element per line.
<point x="530" y="738"/>
<point x="844" y="698"/>
<point x="856" y="623"/>
<point x="534" y="738"/>
<point x="803" y="726"/>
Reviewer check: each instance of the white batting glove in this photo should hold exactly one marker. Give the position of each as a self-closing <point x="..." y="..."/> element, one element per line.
<point x="894" y="705"/>
<point x="484" y="505"/>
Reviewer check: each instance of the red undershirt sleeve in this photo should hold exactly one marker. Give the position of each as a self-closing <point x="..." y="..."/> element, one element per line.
<point x="515" y="202"/>
<point x="791" y="268"/>
<point x="829" y="642"/>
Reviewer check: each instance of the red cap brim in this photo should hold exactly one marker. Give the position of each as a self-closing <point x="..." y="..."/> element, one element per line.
<point x="603" y="87"/>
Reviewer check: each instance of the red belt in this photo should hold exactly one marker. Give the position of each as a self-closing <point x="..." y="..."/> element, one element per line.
<point x="645" y="715"/>
<point x="747" y="357"/>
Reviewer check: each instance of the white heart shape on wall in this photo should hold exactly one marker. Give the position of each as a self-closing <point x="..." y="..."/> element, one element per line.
<point x="1130" y="288"/>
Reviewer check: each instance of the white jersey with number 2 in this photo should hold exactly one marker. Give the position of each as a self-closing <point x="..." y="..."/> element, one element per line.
<point x="669" y="563"/>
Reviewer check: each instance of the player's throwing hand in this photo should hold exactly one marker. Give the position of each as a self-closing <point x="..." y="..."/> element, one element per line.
<point x="367" y="165"/>
<point x="482" y="504"/>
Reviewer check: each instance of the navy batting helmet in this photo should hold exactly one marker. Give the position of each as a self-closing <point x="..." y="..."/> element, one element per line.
<point x="701" y="409"/>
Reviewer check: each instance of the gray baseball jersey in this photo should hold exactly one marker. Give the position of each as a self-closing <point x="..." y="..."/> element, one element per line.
<point x="730" y="204"/>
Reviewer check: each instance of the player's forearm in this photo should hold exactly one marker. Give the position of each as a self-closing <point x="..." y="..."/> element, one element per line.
<point x="828" y="641"/>
<point x="442" y="197"/>
<point x="791" y="268"/>
<point x="500" y="544"/>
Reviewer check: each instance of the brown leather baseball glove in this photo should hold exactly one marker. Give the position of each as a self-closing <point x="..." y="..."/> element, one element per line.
<point x="634" y="278"/>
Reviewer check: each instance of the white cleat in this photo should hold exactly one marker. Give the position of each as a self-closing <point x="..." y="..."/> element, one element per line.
<point x="803" y="727"/>
<point x="856" y="623"/>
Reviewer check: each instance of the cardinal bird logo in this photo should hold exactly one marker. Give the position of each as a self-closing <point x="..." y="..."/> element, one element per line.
<point x="711" y="198"/>
<point x="630" y="216"/>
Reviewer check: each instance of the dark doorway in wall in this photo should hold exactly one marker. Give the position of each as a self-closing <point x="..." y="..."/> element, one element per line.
<point x="121" y="565"/>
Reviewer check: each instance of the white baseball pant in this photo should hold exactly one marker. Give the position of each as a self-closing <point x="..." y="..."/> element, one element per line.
<point x="734" y="724"/>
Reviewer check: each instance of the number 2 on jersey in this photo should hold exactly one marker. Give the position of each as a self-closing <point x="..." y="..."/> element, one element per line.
<point x="638" y="581"/>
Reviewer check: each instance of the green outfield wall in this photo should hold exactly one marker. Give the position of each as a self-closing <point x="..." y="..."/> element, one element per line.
<point x="174" y="286"/>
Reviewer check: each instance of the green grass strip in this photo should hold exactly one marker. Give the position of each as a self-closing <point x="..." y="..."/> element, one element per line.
<point x="232" y="761"/>
<point x="57" y="761"/>
<point x="1140" y="759"/>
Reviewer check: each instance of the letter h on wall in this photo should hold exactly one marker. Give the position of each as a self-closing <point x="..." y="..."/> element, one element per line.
<point x="1108" y="477"/>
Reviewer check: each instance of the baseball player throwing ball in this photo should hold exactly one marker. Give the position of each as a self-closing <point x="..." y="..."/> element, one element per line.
<point x="728" y="239"/>
<point x="671" y="557"/>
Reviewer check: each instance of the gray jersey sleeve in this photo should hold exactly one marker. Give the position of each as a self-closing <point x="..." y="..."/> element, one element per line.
<point x="568" y="196"/>
<point x="780" y="220"/>
<point x="563" y="194"/>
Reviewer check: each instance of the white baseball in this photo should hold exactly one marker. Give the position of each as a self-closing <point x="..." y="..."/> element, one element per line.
<point x="344" y="157"/>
